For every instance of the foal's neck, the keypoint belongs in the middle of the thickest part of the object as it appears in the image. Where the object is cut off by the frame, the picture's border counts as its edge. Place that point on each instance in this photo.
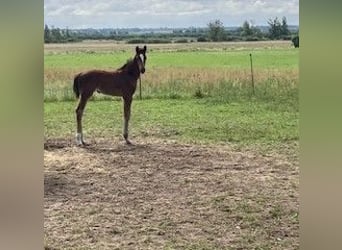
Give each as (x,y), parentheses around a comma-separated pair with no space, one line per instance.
(134,70)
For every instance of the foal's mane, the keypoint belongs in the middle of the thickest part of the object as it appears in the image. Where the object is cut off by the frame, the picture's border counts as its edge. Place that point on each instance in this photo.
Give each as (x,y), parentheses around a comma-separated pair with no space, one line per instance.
(126,65)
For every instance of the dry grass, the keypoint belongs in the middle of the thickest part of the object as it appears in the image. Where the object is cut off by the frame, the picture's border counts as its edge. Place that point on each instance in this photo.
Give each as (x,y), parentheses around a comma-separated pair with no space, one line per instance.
(156,77)
(164,79)
(110,46)
(164,195)
(183,80)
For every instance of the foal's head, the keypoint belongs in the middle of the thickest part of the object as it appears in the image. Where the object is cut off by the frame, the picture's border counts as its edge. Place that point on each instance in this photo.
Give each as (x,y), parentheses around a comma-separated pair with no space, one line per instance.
(140,56)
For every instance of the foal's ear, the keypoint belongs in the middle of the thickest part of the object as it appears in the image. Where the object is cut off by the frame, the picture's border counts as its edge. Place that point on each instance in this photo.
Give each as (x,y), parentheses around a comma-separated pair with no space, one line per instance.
(145,48)
(137,49)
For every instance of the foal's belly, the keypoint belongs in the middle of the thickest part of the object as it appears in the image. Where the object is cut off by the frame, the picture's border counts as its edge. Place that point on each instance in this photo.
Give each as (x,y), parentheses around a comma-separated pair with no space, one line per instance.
(112,91)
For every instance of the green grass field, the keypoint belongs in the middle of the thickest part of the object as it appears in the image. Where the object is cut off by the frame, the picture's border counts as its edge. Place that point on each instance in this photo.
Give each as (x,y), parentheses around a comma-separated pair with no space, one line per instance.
(190,95)
(277,58)
(215,83)
(184,72)
(246,124)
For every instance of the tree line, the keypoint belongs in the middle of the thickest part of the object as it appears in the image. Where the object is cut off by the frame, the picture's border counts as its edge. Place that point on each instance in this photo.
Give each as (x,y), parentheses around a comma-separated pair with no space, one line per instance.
(57,35)
(215,31)
(277,30)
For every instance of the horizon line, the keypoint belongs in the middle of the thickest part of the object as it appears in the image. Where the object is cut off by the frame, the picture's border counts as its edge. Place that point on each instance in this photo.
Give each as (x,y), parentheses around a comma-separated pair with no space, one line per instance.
(165,27)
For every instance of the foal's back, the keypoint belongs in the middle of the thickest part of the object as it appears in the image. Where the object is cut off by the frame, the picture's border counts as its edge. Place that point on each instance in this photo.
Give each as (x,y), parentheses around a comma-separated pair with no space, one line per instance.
(113,83)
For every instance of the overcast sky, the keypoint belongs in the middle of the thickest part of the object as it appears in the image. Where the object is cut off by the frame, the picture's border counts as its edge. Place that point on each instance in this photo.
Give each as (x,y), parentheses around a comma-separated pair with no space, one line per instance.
(165,13)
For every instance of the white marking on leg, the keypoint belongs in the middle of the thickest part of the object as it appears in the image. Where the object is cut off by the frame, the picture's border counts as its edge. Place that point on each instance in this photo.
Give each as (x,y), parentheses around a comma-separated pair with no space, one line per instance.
(79,139)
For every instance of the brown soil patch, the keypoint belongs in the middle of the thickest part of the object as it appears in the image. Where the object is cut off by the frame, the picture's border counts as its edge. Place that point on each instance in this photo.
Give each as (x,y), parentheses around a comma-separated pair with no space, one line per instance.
(156,195)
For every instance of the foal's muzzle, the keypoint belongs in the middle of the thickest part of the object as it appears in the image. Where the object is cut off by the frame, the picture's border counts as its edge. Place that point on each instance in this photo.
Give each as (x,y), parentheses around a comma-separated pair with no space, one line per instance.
(142,70)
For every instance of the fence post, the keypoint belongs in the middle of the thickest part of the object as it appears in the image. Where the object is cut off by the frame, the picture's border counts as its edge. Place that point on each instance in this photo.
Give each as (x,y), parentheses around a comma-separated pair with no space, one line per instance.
(250,55)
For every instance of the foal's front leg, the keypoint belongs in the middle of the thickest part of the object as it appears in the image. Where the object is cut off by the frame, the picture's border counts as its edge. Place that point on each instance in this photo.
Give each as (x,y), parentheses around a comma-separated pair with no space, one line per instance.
(79,114)
(127,114)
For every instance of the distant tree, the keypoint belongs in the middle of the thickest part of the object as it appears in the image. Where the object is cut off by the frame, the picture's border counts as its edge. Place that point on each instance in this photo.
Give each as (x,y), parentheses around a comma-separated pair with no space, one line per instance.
(202,39)
(216,31)
(47,34)
(67,34)
(56,35)
(248,32)
(284,27)
(275,30)
(246,29)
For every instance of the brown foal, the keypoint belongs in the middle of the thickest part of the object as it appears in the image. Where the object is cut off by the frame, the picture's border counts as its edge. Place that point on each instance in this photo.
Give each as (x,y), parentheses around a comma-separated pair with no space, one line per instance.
(122,82)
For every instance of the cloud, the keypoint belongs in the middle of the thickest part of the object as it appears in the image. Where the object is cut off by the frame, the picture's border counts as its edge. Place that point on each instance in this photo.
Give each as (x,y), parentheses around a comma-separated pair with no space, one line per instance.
(161,13)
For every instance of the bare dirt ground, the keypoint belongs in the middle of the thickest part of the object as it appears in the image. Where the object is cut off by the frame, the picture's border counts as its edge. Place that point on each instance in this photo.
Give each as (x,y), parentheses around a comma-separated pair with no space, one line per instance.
(166,195)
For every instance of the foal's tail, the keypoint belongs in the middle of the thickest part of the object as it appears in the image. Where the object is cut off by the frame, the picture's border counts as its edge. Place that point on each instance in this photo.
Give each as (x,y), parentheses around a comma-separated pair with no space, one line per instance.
(76,85)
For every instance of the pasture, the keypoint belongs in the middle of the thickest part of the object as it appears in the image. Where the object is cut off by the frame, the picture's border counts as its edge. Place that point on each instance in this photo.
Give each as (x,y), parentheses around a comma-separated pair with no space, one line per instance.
(212,166)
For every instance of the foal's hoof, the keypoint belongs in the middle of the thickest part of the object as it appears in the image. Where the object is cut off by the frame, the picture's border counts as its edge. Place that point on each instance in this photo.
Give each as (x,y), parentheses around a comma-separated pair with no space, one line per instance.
(82,144)
(79,140)
(125,136)
(128,142)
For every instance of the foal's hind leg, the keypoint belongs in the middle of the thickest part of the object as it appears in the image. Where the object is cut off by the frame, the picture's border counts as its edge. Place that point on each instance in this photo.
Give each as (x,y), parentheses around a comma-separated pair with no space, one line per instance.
(79,113)
(127,114)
